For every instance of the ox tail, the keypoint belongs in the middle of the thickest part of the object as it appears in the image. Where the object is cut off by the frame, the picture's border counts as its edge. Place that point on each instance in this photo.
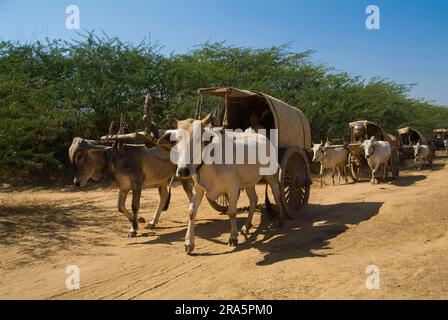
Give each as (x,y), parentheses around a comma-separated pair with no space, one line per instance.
(167,203)
(268,203)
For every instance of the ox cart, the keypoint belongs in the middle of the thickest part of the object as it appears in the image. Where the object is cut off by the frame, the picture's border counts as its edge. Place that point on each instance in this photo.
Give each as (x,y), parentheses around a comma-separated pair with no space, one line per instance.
(407,138)
(440,135)
(294,139)
(360,131)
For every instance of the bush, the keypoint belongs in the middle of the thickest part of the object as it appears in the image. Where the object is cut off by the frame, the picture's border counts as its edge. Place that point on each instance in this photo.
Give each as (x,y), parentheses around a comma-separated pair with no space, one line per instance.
(51,92)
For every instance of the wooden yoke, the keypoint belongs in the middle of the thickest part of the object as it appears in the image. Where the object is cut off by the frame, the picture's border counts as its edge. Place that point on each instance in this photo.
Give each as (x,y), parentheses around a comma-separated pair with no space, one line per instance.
(149,136)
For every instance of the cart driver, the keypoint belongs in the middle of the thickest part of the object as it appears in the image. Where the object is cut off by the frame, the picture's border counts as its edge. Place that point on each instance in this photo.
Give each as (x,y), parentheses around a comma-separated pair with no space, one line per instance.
(254,120)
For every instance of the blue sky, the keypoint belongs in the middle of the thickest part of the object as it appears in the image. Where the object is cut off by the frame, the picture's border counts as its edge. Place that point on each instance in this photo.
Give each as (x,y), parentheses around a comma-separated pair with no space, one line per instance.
(411,47)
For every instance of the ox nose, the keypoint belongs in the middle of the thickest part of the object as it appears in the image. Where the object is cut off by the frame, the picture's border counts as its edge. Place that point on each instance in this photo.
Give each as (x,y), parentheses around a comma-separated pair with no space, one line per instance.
(183,172)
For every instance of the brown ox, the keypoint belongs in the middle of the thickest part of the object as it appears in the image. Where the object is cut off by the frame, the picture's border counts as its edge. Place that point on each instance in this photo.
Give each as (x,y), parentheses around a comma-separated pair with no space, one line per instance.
(128,167)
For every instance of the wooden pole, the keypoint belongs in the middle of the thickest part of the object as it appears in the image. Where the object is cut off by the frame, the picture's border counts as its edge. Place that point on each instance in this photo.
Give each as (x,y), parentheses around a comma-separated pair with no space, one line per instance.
(225,122)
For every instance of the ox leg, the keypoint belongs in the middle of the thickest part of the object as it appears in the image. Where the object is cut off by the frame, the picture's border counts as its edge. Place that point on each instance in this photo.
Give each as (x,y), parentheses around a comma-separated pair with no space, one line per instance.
(122,195)
(377,171)
(196,200)
(253,198)
(273,184)
(136,195)
(163,197)
(332,174)
(233,201)
(373,180)
(187,185)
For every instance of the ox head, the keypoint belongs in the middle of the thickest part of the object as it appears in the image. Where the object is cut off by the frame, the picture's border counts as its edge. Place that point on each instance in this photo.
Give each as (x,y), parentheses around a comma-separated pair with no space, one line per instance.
(417,150)
(369,147)
(184,141)
(318,152)
(87,160)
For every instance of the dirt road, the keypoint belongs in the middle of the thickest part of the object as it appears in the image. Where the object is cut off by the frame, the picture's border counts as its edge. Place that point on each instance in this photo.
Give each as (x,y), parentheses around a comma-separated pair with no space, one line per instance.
(400,227)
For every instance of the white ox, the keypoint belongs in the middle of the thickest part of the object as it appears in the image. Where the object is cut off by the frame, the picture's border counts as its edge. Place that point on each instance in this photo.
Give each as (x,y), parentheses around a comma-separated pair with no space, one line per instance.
(215,180)
(377,154)
(421,155)
(331,158)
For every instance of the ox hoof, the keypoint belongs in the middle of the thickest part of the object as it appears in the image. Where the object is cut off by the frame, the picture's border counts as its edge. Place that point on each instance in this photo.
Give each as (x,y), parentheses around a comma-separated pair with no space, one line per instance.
(141,220)
(233,242)
(151,225)
(132,234)
(189,248)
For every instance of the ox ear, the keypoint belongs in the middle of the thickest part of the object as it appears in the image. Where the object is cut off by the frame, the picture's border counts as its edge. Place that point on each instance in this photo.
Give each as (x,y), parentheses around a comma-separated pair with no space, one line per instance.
(372,139)
(165,141)
(80,141)
(173,122)
(207,120)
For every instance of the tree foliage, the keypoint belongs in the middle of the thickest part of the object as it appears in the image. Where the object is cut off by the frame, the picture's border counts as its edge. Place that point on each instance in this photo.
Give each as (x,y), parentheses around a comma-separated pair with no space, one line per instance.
(51,92)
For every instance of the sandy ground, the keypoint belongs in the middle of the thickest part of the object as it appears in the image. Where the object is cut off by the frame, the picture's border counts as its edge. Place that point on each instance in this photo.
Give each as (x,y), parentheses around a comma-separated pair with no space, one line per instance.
(400,227)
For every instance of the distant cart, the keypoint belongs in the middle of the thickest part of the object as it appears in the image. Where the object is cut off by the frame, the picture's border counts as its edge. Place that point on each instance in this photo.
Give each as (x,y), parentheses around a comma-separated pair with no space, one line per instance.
(360,131)
(407,137)
(294,139)
(440,135)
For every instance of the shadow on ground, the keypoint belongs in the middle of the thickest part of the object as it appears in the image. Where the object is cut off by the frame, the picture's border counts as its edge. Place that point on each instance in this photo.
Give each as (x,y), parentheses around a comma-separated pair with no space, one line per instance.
(407,180)
(296,239)
(41,230)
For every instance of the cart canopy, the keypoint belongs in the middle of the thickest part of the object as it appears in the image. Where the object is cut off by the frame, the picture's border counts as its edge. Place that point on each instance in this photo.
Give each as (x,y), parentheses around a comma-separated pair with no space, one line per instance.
(411,136)
(292,124)
(368,129)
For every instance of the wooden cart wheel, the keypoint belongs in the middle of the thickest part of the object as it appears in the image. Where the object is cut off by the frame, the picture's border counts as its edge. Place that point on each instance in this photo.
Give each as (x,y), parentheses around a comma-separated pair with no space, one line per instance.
(394,164)
(354,166)
(220,205)
(295,182)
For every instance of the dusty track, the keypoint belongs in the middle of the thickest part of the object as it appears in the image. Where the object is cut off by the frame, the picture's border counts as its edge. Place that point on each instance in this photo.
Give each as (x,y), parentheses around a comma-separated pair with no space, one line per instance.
(400,227)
